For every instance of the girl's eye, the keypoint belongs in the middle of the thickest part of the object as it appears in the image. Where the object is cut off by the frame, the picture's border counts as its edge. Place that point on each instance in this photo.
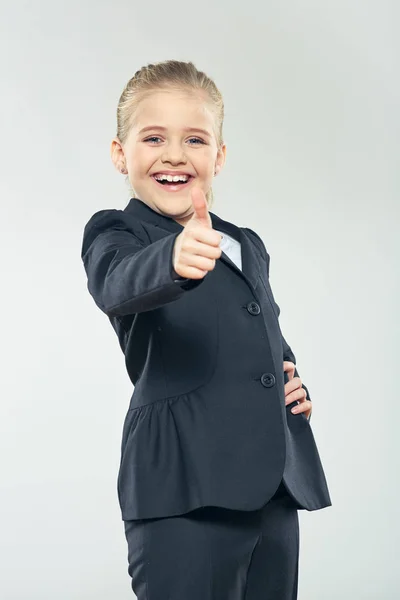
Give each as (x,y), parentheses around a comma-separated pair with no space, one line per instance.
(194,141)
(152,138)
(198,140)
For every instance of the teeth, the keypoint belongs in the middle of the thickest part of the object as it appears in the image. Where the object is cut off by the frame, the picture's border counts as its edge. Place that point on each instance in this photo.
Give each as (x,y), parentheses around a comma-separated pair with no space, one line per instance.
(172,178)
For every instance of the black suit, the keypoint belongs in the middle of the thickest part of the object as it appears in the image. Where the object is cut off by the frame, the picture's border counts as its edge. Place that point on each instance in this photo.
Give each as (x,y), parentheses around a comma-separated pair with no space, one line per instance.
(207,422)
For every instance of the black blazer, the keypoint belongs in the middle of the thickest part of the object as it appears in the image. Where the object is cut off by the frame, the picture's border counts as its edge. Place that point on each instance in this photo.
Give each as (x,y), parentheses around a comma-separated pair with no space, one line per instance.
(207,422)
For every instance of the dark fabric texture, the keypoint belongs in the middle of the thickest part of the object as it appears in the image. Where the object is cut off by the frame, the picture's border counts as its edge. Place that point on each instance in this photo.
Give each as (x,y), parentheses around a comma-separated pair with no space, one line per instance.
(216,553)
(206,424)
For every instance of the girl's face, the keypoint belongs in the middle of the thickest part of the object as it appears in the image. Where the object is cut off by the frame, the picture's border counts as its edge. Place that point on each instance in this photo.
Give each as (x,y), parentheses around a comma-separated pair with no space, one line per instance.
(172,134)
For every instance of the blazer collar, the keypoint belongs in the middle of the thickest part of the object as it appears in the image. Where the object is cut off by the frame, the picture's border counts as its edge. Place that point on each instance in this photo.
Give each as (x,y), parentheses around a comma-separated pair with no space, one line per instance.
(251,260)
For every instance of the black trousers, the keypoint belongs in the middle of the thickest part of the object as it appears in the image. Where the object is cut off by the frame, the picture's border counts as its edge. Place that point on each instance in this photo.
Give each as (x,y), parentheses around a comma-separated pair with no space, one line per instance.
(214,553)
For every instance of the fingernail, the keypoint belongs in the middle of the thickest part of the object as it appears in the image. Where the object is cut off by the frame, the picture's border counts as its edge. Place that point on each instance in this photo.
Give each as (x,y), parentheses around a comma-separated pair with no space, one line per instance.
(295,410)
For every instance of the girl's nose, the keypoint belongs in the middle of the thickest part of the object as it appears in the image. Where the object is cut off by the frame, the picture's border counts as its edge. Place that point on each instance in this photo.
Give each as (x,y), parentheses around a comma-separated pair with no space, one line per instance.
(174,154)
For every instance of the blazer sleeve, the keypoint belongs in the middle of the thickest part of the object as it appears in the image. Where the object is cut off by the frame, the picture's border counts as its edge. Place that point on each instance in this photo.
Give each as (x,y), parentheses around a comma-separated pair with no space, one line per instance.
(288,353)
(124,274)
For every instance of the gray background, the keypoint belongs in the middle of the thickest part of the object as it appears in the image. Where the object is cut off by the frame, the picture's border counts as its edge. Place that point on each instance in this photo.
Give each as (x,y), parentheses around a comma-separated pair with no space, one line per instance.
(312,127)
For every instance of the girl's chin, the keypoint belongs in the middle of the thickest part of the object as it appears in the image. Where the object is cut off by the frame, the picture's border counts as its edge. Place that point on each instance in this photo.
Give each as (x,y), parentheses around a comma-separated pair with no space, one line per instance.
(174,206)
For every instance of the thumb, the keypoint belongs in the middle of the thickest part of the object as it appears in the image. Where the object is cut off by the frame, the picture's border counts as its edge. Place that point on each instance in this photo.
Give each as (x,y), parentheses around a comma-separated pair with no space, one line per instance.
(200,207)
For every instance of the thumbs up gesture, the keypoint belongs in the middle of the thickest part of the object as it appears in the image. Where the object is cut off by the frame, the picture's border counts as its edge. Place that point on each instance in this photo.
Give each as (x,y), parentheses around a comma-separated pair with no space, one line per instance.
(197,247)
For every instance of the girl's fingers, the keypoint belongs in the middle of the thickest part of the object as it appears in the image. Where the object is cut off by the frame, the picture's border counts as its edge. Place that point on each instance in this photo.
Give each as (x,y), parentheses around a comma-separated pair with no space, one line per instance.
(289,368)
(294,392)
(195,248)
(305,407)
(298,394)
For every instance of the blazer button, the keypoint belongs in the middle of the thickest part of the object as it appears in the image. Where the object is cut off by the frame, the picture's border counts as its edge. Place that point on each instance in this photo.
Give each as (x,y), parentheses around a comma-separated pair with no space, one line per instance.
(253,308)
(268,379)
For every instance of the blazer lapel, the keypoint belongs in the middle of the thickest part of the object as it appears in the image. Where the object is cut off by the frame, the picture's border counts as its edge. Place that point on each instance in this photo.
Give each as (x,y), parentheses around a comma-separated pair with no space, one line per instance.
(249,270)
(251,260)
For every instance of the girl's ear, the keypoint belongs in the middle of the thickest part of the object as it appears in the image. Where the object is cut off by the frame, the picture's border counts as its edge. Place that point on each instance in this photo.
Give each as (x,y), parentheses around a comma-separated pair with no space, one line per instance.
(221,157)
(118,156)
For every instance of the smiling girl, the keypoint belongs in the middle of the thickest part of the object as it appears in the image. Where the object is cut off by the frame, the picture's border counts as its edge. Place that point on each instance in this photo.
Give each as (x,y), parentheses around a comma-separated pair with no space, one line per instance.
(170,143)
(217,451)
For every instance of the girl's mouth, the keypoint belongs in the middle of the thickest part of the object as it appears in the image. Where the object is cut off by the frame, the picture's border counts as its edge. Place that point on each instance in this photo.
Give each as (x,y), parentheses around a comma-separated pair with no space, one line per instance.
(172,186)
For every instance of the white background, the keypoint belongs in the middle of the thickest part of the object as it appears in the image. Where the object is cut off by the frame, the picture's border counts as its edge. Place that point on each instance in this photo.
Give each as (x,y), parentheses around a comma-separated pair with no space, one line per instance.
(311,90)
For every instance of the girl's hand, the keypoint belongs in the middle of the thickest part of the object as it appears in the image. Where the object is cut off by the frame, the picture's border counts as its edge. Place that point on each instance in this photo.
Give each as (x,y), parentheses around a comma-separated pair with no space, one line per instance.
(197,247)
(294,391)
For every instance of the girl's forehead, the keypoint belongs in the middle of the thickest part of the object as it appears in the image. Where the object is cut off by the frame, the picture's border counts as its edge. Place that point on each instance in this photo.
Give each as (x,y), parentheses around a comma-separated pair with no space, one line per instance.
(168,108)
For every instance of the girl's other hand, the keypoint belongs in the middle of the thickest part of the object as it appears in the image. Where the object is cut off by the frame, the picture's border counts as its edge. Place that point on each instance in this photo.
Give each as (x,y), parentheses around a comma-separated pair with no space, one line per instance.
(294,391)
(197,247)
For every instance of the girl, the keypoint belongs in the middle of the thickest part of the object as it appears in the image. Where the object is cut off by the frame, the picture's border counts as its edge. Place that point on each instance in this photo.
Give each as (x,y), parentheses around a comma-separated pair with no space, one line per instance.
(217,452)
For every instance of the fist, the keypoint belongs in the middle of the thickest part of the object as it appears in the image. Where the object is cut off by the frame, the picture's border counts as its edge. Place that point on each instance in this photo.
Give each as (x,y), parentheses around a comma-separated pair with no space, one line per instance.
(197,247)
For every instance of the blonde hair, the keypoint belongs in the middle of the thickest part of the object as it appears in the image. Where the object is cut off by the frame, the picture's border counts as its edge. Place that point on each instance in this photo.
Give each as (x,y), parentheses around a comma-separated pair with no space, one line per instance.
(172,74)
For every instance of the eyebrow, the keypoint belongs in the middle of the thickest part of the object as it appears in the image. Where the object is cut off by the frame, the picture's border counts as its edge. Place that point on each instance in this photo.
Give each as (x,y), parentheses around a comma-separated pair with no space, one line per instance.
(153,127)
